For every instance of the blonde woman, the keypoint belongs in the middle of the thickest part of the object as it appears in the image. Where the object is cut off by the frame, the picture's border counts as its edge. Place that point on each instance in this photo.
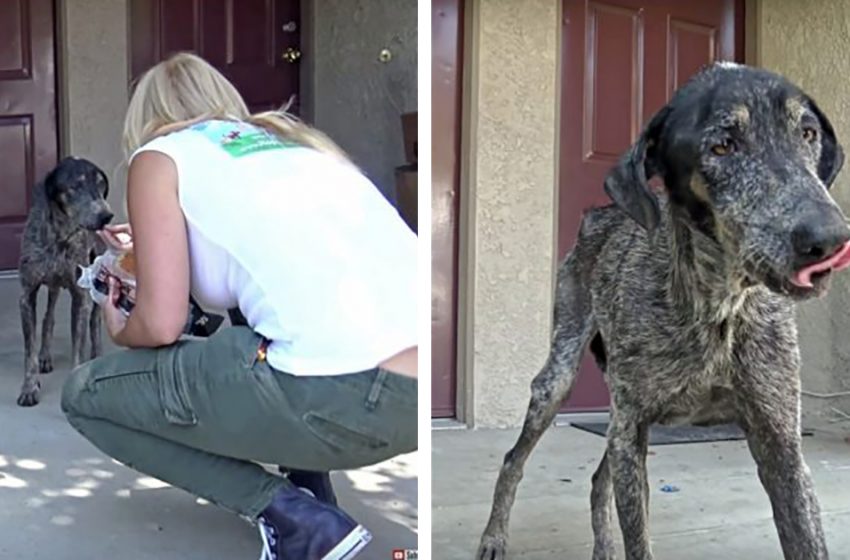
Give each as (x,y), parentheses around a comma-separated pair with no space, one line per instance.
(263,214)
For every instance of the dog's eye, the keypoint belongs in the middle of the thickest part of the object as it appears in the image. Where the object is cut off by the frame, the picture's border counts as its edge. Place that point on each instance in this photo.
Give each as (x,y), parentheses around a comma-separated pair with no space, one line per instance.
(810,134)
(723,149)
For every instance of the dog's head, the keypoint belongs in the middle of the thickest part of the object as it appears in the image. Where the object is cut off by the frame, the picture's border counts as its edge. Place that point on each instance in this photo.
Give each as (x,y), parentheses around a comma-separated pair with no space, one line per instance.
(78,189)
(747,159)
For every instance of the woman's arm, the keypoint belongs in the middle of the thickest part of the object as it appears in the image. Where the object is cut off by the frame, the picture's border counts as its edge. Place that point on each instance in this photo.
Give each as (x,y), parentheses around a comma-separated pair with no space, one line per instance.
(161,249)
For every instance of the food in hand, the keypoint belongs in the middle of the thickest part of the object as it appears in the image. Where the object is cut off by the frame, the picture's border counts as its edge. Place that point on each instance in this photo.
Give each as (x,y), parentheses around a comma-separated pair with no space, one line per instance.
(127,263)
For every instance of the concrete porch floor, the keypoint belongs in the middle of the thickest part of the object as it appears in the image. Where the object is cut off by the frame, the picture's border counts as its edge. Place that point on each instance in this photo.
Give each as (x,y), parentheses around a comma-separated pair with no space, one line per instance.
(61,499)
(720,510)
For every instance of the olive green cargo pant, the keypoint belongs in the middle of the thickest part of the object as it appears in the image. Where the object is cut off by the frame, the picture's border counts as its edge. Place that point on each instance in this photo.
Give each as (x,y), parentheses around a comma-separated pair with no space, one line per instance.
(202,414)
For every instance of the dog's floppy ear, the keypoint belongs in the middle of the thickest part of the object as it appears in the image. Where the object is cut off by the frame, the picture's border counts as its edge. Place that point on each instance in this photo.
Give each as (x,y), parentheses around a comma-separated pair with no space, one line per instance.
(51,185)
(626,183)
(831,154)
(103,176)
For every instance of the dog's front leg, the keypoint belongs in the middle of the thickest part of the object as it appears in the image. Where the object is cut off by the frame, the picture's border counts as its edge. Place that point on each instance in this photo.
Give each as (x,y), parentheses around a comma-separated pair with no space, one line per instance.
(45,363)
(80,309)
(626,453)
(31,386)
(770,416)
(574,326)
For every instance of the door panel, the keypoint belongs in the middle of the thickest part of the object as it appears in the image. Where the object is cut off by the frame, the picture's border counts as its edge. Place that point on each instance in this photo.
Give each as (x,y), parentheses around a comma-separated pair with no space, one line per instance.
(612,82)
(28,141)
(244,40)
(446,76)
(622,60)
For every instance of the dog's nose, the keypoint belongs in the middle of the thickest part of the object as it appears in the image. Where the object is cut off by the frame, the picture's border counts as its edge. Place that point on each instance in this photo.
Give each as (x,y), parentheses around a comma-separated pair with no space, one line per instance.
(818,238)
(104,218)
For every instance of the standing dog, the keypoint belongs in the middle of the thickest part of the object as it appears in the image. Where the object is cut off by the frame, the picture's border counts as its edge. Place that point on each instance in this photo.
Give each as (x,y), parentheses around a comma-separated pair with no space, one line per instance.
(68,207)
(686,299)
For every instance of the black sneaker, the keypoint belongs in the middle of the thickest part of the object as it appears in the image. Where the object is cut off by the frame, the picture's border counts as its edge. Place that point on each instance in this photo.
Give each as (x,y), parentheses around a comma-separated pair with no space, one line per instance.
(296,526)
(318,483)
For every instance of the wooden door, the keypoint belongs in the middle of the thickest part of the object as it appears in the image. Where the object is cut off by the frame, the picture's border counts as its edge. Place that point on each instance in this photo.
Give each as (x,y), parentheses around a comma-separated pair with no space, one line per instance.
(245,40)
(28,140)
(446,78)
(622,60)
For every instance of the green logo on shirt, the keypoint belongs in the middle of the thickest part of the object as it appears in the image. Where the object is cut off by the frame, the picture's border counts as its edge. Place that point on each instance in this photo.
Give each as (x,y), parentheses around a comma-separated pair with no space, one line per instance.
(241,139)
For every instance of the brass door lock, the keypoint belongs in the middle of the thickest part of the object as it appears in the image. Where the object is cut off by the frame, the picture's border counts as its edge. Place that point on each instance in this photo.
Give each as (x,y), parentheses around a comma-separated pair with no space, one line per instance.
(291,55)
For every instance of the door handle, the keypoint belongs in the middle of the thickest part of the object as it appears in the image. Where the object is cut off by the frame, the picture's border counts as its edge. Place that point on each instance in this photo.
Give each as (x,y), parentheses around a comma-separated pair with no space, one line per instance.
(291,55)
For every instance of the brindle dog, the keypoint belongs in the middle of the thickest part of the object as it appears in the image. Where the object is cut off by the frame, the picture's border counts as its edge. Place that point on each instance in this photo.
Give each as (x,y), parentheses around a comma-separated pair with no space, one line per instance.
(59,236)
(686,298)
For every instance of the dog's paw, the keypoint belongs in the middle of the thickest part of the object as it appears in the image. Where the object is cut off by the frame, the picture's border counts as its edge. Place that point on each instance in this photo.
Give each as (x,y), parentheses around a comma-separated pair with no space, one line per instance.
(30,395)
(493,547)
(604,553)
(45,365)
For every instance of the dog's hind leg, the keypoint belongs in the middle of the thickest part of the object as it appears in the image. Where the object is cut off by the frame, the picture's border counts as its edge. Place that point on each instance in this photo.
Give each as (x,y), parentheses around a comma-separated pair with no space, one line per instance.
(601,502)
(45,363)
(572,331)
(79,320)
(30,389)
(94,331)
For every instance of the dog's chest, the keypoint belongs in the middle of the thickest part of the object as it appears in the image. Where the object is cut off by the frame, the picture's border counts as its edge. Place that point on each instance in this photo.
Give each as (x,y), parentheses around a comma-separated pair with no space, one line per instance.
(700,389)
(59,264)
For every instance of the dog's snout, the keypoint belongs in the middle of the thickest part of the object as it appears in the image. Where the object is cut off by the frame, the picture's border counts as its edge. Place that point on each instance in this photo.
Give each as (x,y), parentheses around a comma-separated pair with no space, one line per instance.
(104,218)
(817,238)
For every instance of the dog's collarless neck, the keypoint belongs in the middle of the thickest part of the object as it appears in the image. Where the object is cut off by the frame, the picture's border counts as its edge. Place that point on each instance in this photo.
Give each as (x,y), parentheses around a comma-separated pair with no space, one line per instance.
(701,277)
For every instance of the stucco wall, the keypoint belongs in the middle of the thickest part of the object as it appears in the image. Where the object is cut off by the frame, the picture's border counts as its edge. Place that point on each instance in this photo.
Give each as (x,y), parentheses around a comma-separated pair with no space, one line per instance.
(93,85)
(348,92)
(809,43)
(510,207)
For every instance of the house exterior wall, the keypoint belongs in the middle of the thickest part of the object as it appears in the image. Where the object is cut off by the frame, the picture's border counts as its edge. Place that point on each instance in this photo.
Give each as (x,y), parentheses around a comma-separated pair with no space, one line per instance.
(808,43)
(348,92)
(92,56)
(508,204)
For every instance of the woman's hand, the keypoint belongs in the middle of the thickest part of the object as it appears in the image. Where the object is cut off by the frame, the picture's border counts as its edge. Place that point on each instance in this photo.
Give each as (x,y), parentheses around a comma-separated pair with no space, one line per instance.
(112,315)
(117,236)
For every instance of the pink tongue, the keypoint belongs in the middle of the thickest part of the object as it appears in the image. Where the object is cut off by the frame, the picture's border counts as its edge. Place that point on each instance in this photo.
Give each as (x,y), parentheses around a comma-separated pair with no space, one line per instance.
(837,261)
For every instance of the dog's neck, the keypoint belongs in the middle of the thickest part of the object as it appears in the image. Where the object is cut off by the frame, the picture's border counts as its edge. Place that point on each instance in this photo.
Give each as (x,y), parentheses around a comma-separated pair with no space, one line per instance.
(703,282)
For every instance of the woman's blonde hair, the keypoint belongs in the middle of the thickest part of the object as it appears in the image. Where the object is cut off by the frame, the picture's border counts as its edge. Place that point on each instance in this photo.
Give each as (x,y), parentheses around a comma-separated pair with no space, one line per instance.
(185,89)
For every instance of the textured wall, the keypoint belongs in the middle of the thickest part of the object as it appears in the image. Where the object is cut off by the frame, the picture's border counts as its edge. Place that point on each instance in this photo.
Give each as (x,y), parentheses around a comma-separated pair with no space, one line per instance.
(511,218)
(809,43)
(356,99)
(93,59)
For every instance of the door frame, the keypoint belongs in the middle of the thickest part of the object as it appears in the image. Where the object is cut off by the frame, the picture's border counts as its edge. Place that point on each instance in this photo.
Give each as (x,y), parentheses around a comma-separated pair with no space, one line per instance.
(458,88)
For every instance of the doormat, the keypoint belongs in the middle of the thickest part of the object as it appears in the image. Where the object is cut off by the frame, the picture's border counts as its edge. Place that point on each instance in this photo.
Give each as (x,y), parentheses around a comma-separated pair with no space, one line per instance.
(665,435)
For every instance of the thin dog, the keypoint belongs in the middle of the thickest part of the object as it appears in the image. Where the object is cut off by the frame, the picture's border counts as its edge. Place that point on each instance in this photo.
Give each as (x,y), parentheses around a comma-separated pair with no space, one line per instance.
(686,298)
(59,236)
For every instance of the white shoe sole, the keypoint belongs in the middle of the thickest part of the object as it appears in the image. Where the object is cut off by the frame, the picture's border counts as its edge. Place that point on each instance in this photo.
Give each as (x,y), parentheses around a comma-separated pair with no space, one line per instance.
(351,545)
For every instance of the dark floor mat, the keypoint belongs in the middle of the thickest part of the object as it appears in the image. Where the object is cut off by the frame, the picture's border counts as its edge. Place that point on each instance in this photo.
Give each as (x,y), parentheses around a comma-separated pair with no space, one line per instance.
(664,435)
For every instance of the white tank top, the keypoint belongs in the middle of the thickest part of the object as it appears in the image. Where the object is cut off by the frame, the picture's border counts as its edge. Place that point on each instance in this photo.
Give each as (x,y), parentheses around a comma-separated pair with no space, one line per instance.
(307,247)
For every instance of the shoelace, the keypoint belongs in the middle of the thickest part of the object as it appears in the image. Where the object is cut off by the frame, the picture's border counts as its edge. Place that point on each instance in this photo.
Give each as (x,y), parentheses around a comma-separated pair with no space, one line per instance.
(269,536)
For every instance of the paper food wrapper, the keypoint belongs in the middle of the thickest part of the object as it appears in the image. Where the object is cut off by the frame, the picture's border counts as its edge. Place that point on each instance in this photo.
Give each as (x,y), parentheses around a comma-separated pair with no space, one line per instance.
(122,266)
(95,278)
